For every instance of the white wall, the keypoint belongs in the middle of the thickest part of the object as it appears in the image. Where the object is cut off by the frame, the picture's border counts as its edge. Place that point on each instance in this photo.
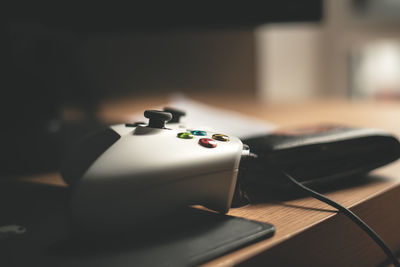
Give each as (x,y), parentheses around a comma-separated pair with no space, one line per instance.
(288,62)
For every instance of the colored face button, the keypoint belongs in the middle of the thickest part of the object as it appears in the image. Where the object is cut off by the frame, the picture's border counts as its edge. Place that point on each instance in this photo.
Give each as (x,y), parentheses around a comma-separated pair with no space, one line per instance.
(199,133)
(207,142)
(185,135)
(220,137)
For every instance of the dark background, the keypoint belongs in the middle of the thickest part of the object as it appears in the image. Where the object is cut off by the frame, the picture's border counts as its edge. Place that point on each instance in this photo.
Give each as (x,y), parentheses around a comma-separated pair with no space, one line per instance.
(57,57)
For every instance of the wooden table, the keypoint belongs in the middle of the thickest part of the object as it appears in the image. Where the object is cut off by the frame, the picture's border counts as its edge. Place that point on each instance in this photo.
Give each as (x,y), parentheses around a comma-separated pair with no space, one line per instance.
(308,232)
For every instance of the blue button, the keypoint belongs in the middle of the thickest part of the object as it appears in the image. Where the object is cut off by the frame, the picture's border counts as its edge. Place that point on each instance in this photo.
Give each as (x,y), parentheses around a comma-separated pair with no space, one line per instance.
(198,132)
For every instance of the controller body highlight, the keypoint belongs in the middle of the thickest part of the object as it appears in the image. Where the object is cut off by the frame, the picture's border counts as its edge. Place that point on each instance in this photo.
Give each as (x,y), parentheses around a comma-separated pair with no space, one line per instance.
(131,174)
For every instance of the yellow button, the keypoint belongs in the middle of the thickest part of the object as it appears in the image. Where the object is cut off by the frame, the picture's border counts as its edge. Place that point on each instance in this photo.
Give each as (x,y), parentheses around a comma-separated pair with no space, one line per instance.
(220,137)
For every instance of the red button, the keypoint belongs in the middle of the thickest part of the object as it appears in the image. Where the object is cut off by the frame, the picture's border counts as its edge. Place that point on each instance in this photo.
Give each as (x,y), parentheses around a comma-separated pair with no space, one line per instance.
(207,142)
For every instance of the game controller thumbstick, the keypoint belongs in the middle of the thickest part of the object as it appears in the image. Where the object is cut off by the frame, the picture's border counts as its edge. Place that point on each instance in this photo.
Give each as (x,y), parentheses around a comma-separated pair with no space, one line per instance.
(157,118)
(176,113)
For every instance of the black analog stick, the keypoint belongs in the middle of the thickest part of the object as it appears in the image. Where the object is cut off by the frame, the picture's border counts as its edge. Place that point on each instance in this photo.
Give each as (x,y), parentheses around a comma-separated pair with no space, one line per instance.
(176,113)
(157,118)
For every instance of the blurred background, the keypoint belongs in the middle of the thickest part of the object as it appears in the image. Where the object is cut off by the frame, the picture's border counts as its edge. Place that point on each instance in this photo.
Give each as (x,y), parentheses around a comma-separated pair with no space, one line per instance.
(281,52)
(353,52)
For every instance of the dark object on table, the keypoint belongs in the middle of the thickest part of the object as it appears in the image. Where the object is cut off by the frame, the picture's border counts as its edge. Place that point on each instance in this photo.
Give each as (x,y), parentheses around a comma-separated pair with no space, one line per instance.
(318,154)
(34,231)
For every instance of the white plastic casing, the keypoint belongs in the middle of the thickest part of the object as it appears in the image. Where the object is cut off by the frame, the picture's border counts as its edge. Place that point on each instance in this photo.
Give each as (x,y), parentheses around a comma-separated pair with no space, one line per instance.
(149,172)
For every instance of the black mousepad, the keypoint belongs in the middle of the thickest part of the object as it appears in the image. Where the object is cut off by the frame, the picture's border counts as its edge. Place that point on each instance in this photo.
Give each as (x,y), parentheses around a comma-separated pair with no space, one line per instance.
(34,231)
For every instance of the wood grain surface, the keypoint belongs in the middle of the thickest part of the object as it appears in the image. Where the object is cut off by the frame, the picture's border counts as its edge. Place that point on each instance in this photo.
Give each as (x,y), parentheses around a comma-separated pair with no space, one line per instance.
(308,232)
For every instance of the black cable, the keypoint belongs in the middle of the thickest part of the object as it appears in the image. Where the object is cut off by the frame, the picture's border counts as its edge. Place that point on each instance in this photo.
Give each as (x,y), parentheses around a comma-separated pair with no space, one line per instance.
(349,214)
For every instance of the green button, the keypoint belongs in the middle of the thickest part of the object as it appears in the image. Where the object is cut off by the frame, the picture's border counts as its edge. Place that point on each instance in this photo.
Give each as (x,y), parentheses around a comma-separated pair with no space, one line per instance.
(185,135)
(220,137)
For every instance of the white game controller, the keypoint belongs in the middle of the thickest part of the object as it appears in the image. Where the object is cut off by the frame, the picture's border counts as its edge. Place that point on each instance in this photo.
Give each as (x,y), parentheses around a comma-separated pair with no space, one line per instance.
(131,174)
